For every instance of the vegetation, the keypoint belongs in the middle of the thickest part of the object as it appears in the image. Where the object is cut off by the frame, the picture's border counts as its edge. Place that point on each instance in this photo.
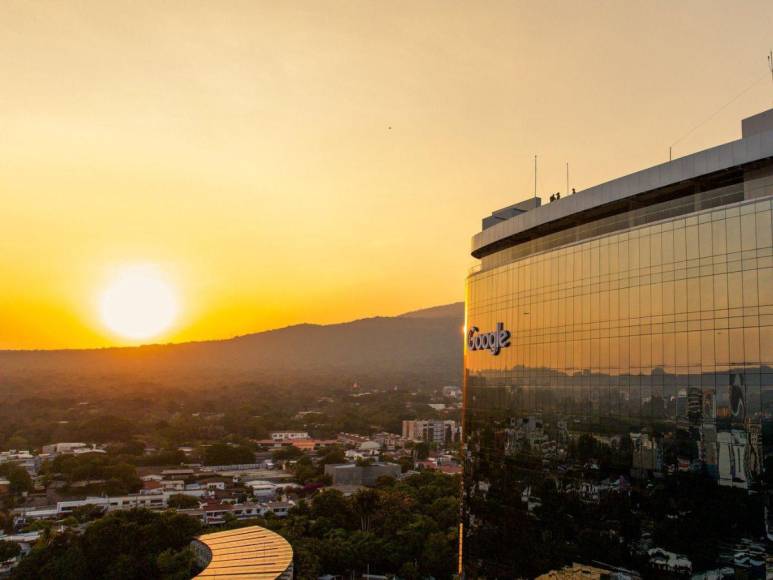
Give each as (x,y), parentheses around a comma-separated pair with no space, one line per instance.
(8,550)
(166,418)
(18,478)
(181,501)
(408,527)
(111,474)
(228,454)
(125,545)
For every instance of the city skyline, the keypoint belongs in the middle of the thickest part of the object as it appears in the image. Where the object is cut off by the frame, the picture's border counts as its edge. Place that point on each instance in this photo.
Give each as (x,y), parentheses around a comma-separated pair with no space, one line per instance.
(280,165)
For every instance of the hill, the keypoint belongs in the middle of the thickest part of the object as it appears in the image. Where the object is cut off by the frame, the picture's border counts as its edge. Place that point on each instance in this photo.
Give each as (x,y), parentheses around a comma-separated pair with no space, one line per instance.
(424,346)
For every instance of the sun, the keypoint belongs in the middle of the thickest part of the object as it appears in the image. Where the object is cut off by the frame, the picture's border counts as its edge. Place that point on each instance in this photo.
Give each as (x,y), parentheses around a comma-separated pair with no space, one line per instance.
(138,303)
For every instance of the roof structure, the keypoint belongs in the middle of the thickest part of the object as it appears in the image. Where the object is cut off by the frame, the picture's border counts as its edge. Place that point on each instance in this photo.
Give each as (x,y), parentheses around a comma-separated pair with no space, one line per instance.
(251,553)
(755,145)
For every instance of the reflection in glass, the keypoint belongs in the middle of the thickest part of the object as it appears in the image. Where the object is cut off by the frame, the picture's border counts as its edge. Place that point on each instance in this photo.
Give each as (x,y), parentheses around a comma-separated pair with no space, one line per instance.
(633,407)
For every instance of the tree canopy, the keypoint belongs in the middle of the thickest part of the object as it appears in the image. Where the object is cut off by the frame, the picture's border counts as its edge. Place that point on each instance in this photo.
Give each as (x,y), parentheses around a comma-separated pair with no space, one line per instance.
(125,545)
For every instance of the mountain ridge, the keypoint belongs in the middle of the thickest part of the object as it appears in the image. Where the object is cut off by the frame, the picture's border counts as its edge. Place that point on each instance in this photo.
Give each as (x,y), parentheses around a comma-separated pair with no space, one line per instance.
(425,344)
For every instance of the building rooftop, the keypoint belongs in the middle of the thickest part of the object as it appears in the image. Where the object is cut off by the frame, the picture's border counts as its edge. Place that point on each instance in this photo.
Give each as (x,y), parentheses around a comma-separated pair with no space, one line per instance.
(246,553)
(534,220)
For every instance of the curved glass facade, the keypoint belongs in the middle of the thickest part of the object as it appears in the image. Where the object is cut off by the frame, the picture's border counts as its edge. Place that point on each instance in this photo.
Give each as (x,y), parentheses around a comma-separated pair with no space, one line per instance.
(627,419)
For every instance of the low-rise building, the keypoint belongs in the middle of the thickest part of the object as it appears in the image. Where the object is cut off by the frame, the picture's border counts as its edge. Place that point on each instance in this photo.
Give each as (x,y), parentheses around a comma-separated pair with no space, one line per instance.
(351,438)
(172,484)
(64,447)
(23,458)
(215,513)
(352,474)
(666,562)
(370,447)
(152,501)
(389,441)
(279,436)
(177,473)
(263,490)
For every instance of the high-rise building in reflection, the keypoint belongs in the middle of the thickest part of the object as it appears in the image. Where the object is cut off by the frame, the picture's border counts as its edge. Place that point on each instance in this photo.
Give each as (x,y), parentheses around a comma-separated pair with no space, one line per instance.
(618,397)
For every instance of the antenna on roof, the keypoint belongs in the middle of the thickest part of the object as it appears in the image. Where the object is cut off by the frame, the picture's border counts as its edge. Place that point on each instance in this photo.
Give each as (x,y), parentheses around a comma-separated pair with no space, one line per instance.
(567,178)
(535,176)
(723,107)
(770,64)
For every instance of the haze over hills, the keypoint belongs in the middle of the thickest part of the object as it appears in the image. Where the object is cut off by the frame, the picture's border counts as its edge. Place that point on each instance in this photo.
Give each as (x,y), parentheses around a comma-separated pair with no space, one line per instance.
(423,346)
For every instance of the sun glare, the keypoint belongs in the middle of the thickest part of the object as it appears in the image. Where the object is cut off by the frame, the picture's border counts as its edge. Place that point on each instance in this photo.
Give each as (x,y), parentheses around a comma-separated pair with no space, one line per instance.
(138,303)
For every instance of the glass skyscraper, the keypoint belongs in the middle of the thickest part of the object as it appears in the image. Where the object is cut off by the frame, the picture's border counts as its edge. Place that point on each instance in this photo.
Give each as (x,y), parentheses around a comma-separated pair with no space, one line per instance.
(618,401)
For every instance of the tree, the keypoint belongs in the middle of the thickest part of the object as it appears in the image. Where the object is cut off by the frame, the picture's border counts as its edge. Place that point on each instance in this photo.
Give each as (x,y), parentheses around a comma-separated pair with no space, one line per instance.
(286,452)
(333,508)
(365,502)
(332,455)
(306,554)
(437,557)
(87,513)
(122,478)
(18,478)
(106,428)
(176,565)
(305,471)
(61,558)
(225,454)
(17,442)
(422,451)
(6,521)
(410,571)
(132,447)
(406,464)
(121,545)
(8,550)
(181,501)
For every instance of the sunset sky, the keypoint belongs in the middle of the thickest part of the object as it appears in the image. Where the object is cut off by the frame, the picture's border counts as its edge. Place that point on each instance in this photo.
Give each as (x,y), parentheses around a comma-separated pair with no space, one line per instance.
(285,162)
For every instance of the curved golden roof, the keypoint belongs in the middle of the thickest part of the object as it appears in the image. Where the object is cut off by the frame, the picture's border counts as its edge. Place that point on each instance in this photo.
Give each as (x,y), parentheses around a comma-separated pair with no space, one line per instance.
(247,554)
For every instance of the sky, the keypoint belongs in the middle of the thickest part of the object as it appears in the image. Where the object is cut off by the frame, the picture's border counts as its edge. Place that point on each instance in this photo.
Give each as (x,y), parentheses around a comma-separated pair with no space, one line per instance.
(322,161)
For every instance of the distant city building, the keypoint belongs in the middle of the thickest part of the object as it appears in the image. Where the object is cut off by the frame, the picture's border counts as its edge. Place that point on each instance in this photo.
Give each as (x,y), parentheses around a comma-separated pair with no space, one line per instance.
(215,513)
(667,562)
(647,455)
(152,501)
(389,441)
(182,472)
(441,432)
(71,448)
(619,339)
(289,435)
(351,438)
(733,449)
(23,458)
(452,392)
(263,489)
(63,447)
(352,474)
(370,447)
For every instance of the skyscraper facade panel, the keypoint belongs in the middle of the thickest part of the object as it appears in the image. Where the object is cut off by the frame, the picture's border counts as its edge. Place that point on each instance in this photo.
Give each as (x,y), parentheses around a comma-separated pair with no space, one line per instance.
(618,400)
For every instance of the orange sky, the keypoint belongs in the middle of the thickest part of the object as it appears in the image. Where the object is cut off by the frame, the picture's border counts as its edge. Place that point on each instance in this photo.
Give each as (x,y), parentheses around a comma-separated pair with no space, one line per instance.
(245,147)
